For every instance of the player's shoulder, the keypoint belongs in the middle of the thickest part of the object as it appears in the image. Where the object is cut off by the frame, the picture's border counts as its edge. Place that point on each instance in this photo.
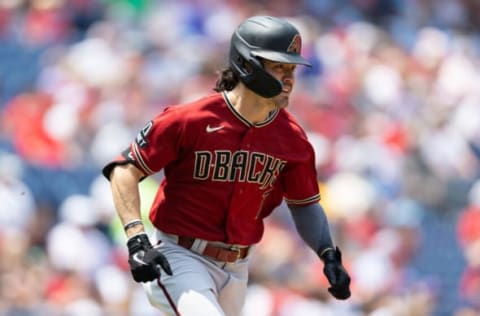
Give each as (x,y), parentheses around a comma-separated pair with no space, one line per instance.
(289,136)
(290,124)
(199,103)
(192,110)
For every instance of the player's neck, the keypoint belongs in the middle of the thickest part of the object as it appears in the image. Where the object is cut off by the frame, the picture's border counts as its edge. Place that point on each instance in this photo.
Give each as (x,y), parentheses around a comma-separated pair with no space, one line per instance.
(251,106)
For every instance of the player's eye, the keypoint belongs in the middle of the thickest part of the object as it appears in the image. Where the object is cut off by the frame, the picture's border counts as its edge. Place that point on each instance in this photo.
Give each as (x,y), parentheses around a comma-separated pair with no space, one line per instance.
(285,67)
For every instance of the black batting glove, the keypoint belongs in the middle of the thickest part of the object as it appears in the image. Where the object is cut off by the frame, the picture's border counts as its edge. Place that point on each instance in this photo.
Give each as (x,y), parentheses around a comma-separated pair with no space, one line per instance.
(145,261)
(336,274)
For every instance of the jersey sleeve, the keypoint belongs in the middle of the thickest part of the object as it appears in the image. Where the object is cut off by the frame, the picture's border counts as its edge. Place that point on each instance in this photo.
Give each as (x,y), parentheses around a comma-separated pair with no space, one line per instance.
(300,184)
(122,159)
(155,145)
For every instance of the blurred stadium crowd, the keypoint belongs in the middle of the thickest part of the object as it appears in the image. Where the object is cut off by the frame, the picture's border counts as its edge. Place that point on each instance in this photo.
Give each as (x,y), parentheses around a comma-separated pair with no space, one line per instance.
(392,106)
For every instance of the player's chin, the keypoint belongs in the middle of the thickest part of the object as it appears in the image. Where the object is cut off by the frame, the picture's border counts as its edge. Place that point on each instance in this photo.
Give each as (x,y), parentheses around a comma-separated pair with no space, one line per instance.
(281,101)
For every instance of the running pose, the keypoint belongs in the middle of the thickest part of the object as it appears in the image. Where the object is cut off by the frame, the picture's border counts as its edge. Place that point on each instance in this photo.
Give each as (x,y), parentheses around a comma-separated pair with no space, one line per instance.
(229,159)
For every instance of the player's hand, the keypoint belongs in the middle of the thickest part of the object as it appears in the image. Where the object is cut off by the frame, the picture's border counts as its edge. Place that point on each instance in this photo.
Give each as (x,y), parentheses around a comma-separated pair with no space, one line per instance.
(336,274)
(145,261)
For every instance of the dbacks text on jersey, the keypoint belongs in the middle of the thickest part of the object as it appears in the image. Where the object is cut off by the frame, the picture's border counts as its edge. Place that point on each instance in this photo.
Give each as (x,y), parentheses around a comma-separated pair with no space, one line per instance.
(241,166)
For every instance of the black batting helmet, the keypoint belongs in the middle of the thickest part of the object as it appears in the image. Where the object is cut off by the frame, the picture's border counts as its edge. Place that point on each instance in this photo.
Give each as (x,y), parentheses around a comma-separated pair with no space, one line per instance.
(264,37)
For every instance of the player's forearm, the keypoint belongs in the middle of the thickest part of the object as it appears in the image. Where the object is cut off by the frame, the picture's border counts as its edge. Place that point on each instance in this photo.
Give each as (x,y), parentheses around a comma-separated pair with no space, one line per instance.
(126,197)
(312,225)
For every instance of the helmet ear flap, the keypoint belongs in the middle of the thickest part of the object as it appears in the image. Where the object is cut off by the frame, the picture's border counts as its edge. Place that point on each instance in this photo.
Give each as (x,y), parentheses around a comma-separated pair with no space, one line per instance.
(261,81)
(252,73)
(241,65)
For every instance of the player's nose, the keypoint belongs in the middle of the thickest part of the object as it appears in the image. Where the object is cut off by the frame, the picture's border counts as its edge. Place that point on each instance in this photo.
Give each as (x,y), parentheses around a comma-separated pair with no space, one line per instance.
(287,84)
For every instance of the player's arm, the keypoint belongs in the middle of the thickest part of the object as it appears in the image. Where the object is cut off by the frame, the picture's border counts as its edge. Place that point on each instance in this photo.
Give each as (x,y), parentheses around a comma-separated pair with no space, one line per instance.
(312,225)
(126,197)
(153,148)
(145,260)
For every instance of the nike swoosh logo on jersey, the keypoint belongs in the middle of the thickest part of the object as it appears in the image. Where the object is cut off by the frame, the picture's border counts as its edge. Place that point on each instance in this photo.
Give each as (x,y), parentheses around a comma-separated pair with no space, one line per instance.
(211,129)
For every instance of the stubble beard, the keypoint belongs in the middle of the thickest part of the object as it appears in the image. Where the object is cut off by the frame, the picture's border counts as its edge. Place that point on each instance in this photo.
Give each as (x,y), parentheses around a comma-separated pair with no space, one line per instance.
(281,101)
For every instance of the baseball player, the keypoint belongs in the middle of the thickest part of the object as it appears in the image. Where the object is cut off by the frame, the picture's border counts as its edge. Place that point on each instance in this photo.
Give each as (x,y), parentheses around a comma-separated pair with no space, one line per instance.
(229,159)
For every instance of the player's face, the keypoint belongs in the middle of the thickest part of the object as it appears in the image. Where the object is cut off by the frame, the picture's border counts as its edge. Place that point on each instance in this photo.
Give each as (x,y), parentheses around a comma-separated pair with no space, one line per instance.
(285,74)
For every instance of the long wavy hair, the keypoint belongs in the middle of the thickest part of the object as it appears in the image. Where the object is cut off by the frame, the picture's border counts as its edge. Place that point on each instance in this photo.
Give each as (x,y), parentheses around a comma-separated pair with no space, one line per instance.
(227,80)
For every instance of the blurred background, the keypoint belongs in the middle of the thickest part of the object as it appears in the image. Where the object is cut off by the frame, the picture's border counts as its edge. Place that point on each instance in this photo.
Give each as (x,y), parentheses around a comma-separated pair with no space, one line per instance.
(391,104)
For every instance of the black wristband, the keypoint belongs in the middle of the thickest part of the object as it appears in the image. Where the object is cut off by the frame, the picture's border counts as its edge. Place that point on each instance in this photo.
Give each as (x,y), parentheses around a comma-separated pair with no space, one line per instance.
(328,254)
(132,224)
(321,253)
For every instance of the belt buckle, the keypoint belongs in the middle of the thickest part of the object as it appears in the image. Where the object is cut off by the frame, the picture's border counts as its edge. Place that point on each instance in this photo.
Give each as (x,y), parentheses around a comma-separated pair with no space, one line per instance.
(237,250)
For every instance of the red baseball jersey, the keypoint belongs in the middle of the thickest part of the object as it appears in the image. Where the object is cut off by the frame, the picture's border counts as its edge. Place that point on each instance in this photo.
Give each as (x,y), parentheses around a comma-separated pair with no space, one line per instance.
(223,174)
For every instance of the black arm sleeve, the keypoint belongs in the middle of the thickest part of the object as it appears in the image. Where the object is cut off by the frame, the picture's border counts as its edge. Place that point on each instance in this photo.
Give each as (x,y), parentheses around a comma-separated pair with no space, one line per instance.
(312,226)
(123,159)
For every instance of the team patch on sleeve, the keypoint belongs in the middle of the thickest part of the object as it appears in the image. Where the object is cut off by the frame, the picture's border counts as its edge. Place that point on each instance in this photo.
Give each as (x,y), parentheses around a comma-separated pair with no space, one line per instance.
(141,138)
(310,200)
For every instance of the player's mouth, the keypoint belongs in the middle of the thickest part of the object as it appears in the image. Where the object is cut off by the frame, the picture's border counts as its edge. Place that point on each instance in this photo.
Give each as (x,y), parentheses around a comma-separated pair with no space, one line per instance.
(286,89)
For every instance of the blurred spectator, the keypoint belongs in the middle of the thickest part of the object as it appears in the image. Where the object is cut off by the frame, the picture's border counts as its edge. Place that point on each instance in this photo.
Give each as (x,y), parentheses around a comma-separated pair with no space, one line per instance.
(468,230)
(18,206)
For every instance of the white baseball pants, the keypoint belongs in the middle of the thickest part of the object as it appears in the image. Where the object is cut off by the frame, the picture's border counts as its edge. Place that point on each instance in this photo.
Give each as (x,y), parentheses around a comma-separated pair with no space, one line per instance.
(199,286)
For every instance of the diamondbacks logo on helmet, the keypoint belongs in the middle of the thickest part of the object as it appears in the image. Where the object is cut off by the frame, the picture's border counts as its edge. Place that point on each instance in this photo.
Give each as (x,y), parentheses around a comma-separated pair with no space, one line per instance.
(296,45)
